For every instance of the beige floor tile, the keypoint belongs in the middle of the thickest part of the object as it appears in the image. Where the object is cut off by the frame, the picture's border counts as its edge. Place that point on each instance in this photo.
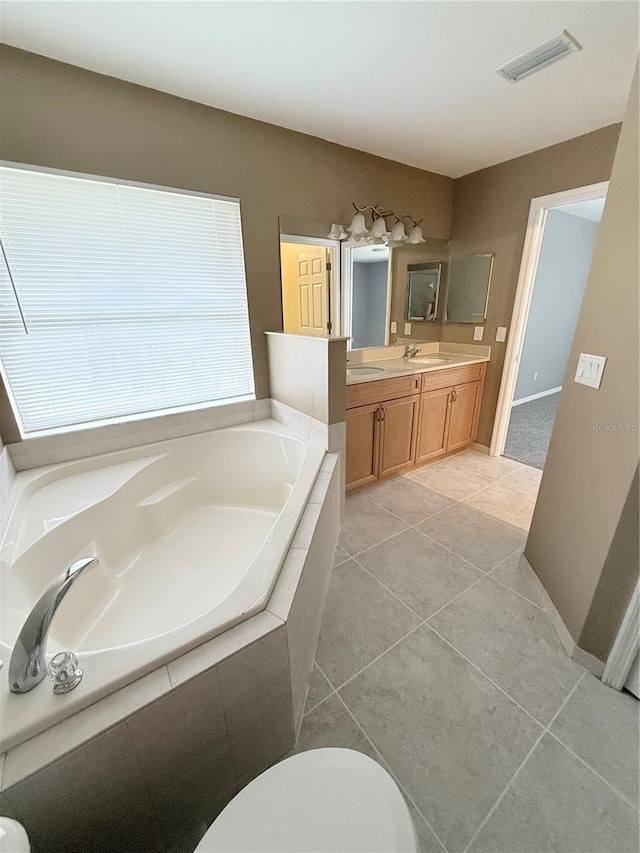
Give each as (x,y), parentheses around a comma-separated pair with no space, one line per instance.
(510,574)
(408,499)
(365,524)
(451,738)
(557,804)
(319,689)
(507,502)
(423,574)
(340,556)
(361,620)
(473,535)
(513,643)
(601,726)
(451,479)
(494,467)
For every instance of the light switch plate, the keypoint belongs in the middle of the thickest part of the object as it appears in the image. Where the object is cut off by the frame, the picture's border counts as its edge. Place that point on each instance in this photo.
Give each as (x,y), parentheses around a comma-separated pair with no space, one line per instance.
(478,332)
(590,369)
(501,334)
(394,327)
(407,328)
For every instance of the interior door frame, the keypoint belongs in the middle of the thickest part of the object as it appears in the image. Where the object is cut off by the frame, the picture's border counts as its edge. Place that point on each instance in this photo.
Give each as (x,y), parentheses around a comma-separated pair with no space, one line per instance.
(526,280)
(625,647)
(347,288)
(335,278)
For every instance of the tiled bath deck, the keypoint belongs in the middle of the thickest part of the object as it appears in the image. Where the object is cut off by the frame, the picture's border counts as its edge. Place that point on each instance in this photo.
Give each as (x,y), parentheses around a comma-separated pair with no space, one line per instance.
(437,659)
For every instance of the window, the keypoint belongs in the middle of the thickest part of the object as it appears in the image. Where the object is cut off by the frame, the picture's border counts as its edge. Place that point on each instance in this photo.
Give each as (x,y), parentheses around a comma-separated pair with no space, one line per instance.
(118,300)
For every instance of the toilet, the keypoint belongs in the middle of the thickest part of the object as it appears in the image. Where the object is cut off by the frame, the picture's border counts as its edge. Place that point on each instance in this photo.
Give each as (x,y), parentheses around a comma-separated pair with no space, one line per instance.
(324,800)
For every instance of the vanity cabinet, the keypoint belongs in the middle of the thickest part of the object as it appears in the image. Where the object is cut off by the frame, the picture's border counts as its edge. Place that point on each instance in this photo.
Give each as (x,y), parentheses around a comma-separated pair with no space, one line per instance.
(393,424)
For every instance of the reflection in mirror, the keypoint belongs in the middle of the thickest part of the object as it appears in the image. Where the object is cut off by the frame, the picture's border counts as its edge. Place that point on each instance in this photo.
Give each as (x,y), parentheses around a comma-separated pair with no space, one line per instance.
(468,288)
(432,252)
(423,286)
(366,295)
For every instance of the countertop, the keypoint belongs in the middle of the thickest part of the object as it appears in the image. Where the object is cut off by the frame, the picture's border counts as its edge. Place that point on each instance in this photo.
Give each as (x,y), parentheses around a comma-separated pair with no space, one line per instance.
(391,367)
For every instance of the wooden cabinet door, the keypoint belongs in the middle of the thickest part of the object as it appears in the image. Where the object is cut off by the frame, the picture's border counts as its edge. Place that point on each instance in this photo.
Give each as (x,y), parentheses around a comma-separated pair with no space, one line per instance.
(362,445)
(433,424)
(397,434)
(463,421)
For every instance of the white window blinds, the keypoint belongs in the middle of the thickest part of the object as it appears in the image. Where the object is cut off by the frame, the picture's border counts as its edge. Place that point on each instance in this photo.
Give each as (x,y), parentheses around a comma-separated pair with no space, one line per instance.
(118,300)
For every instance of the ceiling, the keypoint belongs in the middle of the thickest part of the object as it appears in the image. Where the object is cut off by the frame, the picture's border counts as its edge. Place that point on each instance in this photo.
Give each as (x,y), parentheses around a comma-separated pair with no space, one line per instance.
(590,209)
(411,81)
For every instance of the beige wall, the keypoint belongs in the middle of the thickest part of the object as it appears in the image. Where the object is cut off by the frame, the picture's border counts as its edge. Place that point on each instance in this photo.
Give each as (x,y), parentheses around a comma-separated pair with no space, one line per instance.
(491,208)
(586,516)
(63,117)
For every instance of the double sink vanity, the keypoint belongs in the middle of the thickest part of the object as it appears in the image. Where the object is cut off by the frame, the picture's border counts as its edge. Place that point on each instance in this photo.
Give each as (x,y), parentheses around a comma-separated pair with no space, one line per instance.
(403,412)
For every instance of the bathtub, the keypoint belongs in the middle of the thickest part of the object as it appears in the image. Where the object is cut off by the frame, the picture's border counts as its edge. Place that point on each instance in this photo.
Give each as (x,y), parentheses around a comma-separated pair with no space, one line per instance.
(190,535)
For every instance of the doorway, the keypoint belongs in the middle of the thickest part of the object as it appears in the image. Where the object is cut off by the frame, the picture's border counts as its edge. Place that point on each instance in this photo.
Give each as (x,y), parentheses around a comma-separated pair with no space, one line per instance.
(310,280)
(557,255)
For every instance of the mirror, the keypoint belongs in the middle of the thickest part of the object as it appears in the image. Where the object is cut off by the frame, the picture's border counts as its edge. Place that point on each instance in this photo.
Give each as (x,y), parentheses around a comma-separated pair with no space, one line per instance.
(366,295)
(468,288)
(423,287)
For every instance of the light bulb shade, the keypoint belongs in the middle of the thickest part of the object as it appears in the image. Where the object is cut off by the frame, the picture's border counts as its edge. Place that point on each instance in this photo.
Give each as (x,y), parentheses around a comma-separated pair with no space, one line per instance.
(358,227)
(415,235)
(398,234)
(379,229)
(337,232)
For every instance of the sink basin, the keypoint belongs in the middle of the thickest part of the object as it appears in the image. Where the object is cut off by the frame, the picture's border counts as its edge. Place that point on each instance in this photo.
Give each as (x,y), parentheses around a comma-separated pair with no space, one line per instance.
(363,371)
(430,360)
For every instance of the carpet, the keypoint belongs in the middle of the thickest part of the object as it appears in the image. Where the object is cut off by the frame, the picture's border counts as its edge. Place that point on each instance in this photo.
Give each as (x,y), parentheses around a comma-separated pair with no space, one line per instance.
(530,430)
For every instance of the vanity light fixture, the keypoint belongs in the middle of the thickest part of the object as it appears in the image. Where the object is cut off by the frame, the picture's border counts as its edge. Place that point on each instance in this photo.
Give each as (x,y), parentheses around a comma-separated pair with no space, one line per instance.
(378,233)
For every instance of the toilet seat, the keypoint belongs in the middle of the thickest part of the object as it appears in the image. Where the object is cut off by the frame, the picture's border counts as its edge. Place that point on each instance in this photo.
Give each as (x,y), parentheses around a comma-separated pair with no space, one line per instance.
(324,800)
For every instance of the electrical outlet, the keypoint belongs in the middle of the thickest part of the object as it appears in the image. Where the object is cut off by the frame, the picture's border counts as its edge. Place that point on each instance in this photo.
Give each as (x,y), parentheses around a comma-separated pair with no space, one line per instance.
(501,334)
(407,328)
(478,332)
(394,327)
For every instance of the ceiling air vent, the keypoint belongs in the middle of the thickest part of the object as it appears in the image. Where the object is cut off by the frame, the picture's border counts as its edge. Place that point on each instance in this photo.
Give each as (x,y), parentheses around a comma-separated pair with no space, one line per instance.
(544,54)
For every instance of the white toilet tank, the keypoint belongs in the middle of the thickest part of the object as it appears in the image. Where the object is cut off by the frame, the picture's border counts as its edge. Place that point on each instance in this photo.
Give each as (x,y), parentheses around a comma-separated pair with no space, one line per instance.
(324,800)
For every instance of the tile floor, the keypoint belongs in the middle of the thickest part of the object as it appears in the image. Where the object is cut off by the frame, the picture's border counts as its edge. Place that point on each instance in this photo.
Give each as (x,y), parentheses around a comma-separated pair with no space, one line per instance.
(437,659)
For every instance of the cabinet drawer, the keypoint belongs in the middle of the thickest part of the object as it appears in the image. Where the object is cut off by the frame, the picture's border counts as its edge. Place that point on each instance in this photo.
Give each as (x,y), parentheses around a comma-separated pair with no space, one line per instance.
(382,389)
(451,376)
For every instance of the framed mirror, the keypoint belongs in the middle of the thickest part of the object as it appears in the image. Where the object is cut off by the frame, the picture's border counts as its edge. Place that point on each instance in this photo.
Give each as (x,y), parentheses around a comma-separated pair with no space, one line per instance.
(423,288)
(468,288)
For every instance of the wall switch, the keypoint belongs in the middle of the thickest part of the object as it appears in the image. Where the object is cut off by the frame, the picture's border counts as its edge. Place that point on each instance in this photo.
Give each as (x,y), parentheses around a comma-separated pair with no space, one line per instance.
(501,334)
(394,327)
(478,332)
(407,328)
(590,369)
(535,377)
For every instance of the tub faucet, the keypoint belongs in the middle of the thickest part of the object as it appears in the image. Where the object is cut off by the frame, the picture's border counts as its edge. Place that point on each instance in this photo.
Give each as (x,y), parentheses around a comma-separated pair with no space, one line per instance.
(27,666)
(411,350)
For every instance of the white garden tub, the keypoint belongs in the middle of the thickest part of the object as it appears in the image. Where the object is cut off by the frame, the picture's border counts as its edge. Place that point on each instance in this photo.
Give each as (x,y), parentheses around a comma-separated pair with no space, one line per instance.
(190,535)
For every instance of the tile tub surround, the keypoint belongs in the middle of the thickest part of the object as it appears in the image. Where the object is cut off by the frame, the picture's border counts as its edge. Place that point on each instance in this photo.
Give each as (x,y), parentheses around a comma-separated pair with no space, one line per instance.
(445,668)
(149,767)
(7,476)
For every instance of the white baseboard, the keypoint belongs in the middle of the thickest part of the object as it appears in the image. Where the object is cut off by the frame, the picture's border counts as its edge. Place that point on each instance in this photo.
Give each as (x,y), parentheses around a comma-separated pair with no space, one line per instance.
(560,628)
(536,396)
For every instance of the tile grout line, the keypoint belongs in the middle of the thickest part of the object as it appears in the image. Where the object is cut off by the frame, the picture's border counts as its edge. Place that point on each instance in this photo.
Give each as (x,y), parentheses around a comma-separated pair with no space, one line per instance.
(514,591)
(390,591)
(391,772)
(589,767)
(484,675)
(524,761)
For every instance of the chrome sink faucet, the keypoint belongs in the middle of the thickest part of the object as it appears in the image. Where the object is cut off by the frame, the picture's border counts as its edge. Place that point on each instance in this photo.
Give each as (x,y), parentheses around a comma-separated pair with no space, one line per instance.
(27,667)
(411,351)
